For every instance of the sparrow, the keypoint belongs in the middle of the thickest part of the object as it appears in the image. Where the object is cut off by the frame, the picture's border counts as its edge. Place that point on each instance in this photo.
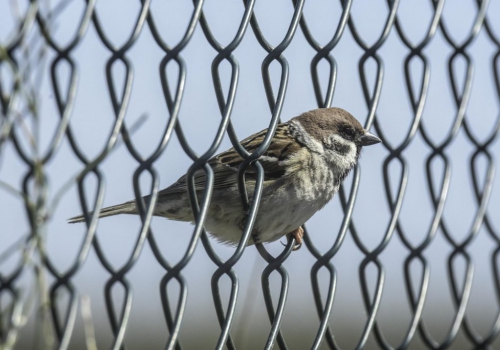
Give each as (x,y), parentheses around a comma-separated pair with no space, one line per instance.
(308,158)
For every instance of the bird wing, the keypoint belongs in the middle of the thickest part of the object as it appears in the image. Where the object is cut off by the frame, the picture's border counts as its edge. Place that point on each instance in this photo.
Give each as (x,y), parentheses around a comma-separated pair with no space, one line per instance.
(225,165)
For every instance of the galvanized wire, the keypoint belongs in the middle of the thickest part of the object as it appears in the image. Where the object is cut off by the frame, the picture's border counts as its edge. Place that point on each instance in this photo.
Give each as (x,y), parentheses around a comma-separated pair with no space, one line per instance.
(36,201)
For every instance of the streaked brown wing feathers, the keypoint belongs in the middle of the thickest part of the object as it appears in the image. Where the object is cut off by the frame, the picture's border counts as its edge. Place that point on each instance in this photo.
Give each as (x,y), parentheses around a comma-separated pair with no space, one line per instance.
(225,165)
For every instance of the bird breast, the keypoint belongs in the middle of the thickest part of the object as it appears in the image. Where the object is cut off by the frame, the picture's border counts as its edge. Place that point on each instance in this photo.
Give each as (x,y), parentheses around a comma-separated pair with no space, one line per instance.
(314,178)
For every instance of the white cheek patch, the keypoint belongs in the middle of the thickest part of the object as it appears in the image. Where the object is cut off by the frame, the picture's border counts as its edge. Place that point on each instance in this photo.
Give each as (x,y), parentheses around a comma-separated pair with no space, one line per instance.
(342,162)
(347,160)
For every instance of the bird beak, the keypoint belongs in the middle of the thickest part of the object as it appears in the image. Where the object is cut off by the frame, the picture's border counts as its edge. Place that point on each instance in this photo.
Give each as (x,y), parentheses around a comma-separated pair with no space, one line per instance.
(369,139)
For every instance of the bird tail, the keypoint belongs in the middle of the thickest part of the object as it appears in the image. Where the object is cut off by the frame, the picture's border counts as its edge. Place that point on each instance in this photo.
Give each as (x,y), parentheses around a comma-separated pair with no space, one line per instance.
(124,208)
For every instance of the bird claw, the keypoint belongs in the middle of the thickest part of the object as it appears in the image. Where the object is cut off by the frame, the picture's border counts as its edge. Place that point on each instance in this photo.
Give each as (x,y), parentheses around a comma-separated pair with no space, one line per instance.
(297,234)
(295,247)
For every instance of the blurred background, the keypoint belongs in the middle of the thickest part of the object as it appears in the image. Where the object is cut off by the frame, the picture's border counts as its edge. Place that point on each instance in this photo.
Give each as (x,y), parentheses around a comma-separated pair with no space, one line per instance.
(458,130)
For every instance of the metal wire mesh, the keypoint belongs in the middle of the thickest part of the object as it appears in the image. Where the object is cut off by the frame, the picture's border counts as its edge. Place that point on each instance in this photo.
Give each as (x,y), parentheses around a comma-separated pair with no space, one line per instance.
(34,193)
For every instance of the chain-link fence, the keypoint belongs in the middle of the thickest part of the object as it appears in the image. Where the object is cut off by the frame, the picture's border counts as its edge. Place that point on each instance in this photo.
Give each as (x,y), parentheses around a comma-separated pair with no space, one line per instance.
(406,257)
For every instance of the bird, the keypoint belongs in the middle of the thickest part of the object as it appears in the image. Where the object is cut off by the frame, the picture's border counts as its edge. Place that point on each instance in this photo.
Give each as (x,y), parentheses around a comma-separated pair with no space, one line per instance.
(308,158)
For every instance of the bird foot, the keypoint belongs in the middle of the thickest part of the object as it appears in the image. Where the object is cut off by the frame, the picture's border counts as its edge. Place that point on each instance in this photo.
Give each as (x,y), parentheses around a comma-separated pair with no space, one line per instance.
(296,234)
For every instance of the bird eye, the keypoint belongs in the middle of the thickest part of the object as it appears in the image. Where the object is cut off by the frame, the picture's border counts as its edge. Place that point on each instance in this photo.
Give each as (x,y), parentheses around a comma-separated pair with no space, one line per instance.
(348,132)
